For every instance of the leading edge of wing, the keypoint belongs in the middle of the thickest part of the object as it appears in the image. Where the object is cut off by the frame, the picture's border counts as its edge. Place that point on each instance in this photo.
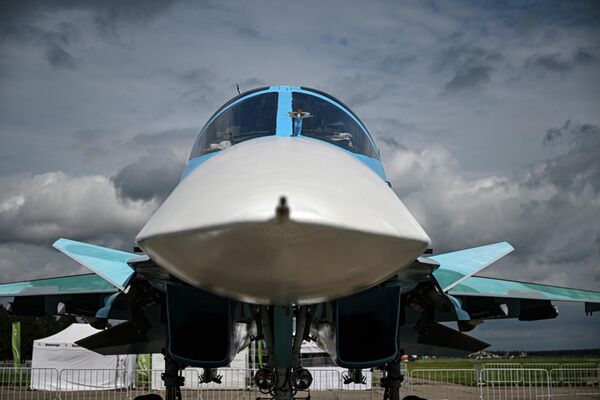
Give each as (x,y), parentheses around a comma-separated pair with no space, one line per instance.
(74,284)
(492,287)
(459,265)
(108,263)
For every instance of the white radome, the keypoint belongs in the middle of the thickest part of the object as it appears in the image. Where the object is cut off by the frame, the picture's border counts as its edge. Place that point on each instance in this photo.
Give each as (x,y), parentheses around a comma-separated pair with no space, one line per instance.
(347,230)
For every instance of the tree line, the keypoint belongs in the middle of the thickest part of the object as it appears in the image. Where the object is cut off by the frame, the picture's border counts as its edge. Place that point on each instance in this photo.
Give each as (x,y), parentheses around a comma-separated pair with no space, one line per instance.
(32,328)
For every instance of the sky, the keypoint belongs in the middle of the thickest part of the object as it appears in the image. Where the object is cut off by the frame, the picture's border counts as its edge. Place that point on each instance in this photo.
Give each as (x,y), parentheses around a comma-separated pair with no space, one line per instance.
(487,115)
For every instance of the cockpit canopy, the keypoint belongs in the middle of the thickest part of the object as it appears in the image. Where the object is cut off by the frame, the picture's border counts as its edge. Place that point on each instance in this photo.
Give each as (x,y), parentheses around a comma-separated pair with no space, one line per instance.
(250,118)
(305,113)
(329,122)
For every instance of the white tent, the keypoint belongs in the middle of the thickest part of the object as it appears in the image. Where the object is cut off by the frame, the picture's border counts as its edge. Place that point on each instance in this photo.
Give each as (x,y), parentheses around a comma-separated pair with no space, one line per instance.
(59,364)
(234,376)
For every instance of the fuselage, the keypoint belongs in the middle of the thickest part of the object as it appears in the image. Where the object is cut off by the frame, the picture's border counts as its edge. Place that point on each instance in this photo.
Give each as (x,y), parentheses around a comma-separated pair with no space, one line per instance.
(283,200)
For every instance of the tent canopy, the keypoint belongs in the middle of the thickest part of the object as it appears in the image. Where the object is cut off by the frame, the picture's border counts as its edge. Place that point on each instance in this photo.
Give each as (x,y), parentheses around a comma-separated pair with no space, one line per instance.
(59,364)
(67,337)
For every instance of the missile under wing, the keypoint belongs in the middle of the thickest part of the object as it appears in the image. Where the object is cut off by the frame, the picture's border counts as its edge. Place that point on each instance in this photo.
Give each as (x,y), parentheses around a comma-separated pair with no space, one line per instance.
(283,228)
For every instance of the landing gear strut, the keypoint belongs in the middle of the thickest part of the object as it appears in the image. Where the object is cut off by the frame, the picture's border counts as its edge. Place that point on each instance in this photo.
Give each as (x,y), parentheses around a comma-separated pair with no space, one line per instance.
(392,380)
(172,379)
(283,377)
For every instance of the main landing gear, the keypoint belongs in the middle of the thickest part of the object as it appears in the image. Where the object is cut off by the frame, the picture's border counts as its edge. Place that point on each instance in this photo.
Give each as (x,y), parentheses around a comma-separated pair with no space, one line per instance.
(392,380)
(172,379)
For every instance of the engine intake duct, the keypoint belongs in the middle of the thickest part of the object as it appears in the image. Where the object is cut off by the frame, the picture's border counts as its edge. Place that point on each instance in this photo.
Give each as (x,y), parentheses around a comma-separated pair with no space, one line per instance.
(200,327)
(367,317)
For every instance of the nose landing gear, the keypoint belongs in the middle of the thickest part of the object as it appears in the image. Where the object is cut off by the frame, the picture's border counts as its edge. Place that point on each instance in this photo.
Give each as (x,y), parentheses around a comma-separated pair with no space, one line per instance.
(283,384)
(284,377)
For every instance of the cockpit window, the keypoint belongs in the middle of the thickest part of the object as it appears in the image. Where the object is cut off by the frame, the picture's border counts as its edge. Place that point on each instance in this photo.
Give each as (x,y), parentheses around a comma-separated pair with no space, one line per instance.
(321,119)
(248,119)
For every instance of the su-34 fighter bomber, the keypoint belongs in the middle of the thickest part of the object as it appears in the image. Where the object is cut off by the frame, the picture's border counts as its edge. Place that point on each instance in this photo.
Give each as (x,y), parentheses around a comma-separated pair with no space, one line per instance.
(283,228)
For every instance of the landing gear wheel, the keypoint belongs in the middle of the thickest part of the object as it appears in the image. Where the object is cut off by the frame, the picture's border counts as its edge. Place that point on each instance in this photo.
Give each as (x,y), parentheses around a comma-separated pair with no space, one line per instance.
(301,379)
(148,397)
(265,379)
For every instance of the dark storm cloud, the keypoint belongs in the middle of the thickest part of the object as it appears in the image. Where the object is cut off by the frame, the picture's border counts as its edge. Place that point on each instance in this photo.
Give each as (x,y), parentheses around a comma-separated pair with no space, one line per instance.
(152,176)
(59,57)
(470,78)
(579,168)
(396,63)
(573,133)
(109,14)
(471,66)
(17,16)
(21,261)
(38,209)
(19,21)
(198,85)
(94,148)
(544,214)
(559,64)
(386,132)
(56,43)
(465,56)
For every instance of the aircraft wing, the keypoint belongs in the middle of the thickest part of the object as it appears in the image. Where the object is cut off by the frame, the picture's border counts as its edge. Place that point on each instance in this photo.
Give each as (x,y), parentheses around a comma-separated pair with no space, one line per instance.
(502,288)
(76,294)
(457,266)
(64,285)
(108,263)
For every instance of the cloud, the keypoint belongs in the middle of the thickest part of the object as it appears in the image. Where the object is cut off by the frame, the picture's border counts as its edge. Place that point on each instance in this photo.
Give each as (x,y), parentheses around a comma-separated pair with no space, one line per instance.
(38,209)
(111,154)
(152,177)
(471,66)
(109,14)
(578,168)
(22,261)
(573,133)
(471,78)
(55,42)
(545,213)
(23,22)
(559,64)
(106,14)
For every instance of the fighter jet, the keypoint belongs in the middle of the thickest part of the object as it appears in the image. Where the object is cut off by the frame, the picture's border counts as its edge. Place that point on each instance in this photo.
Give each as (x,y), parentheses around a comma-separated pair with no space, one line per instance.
(284,229)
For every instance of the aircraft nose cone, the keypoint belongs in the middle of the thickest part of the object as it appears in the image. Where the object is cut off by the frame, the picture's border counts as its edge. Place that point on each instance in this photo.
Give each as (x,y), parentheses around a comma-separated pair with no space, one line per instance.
(283,220)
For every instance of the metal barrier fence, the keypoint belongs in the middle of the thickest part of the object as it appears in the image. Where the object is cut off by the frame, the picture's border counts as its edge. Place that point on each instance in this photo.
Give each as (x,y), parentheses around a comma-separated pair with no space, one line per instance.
(575,383)
(15,384)
(519,383)
(460,384)
(237,384)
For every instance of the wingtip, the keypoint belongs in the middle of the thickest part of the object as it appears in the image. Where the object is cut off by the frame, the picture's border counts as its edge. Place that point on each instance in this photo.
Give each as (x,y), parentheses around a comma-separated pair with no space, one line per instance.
(508,246)
(57,244)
